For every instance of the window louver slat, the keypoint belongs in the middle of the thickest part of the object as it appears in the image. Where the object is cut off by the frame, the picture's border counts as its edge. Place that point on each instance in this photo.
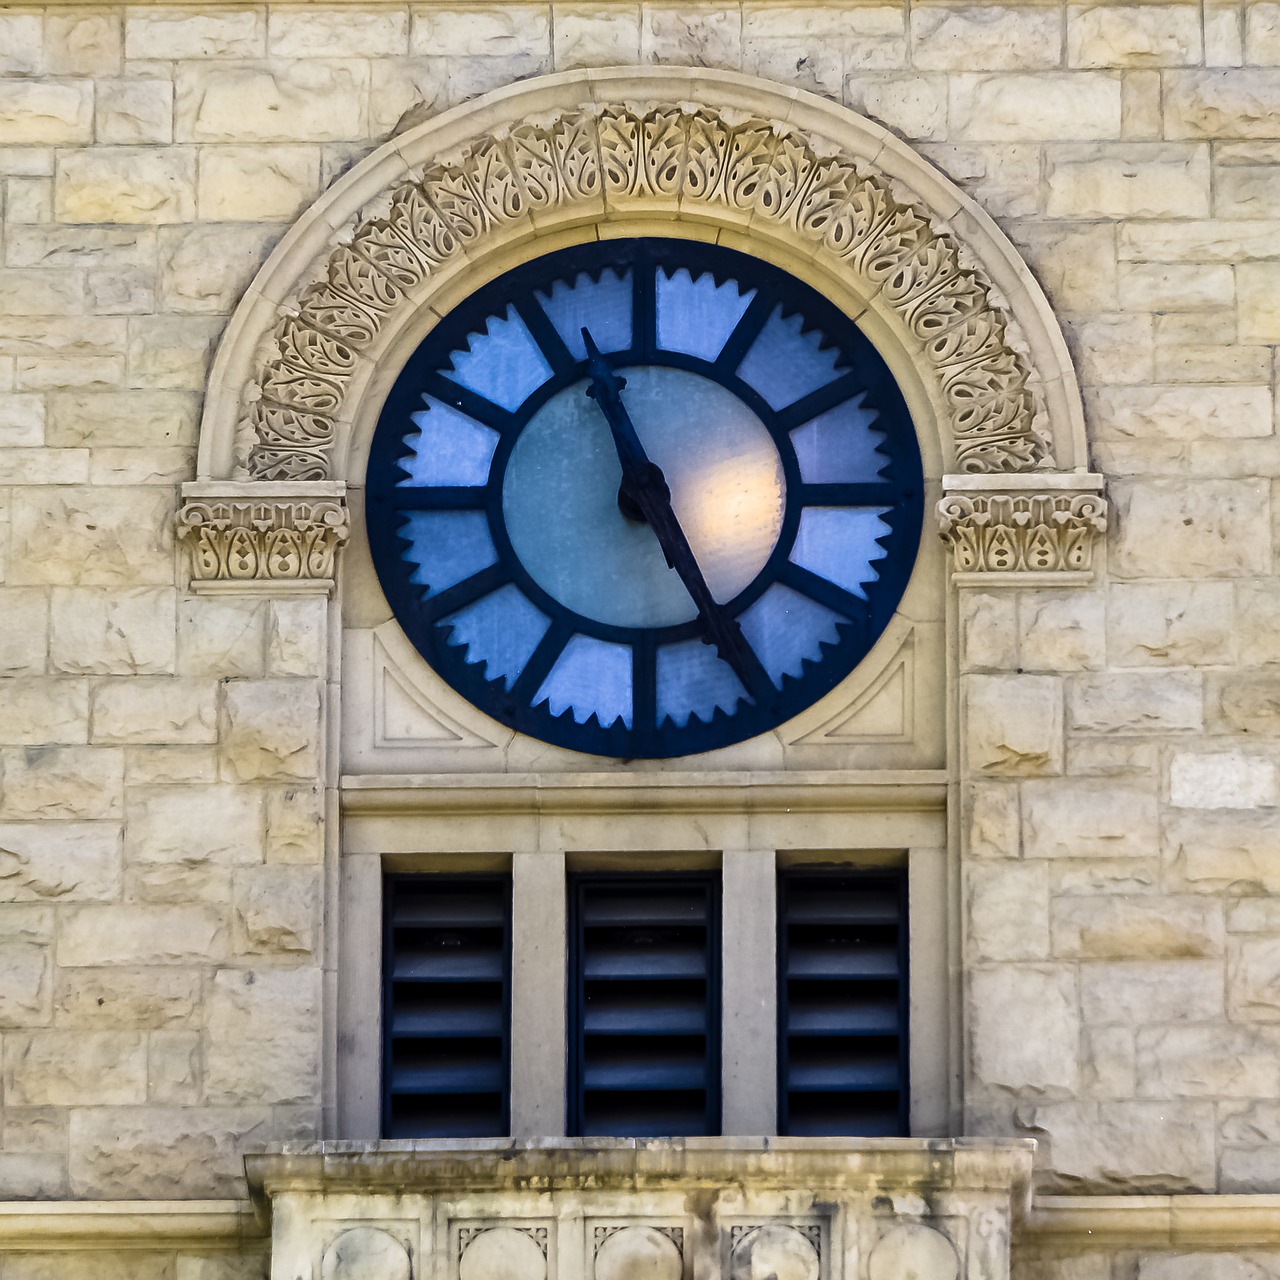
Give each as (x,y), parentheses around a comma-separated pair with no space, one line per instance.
(446,1013)
(842,1003)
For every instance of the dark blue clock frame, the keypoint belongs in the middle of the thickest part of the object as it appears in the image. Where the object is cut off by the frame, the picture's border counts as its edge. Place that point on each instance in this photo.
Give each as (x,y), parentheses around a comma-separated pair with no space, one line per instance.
(492,579)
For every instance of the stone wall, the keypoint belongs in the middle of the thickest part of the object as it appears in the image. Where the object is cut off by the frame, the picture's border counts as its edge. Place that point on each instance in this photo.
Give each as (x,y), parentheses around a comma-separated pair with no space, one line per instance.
(160,813)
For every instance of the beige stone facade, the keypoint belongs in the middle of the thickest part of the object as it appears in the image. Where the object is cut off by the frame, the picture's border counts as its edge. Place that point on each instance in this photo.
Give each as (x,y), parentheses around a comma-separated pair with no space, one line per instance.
(214,738)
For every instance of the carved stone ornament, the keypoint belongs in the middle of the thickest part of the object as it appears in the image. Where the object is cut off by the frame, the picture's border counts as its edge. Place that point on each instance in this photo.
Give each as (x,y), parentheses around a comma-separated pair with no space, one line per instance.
(263,537)
(1049,525)
(658,159)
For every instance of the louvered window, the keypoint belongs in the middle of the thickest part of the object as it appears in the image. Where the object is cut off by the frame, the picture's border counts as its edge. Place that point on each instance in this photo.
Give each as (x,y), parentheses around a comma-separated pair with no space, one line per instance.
(644,1005)
(842,1003)
(447,1006)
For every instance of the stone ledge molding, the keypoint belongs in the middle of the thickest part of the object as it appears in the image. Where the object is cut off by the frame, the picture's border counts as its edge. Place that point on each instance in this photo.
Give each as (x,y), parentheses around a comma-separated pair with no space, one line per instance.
(66,1225)
(256,538)
(1031,530)
(640,149)
(1152,1222)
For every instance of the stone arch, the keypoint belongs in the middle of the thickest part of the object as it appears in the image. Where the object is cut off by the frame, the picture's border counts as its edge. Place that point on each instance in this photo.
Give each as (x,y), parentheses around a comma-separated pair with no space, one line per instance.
(570,156)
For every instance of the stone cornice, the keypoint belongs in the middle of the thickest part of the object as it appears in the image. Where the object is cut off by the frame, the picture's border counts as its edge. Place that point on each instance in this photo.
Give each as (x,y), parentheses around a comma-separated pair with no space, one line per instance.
(1062,1223)
(63,1225)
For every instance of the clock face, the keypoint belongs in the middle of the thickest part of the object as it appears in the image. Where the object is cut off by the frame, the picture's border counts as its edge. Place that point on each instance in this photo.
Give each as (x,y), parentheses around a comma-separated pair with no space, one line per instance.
(644,498)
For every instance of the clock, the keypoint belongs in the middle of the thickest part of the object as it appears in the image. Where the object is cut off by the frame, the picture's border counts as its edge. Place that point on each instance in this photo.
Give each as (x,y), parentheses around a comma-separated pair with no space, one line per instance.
(644,497)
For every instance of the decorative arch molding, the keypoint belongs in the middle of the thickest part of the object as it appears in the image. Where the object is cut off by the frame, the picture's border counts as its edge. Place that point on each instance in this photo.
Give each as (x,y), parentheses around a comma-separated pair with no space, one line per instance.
(617,152)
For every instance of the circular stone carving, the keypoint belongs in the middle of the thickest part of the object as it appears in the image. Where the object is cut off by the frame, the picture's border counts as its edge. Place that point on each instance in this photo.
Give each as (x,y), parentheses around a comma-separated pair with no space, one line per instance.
(365,1253)
(502,1254)
(638,1253)
(913,1252)
(774,1252)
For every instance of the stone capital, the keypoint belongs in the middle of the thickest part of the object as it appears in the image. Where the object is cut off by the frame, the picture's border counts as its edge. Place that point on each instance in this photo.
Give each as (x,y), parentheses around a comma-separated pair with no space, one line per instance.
(1022,530)
(263,538)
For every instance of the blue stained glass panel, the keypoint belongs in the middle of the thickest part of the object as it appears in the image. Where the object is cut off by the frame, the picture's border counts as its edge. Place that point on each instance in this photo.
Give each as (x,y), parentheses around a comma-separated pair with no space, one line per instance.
(501,630)
(449,448)
(603,305)
(783,364)
(785,628)
(692,680)
(505,365)
(447,547)
(839,544)
(840,446)
(697,316)
(592,677)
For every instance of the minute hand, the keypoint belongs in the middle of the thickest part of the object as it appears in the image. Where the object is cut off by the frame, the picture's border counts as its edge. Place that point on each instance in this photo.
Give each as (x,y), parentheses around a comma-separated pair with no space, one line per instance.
(644,489)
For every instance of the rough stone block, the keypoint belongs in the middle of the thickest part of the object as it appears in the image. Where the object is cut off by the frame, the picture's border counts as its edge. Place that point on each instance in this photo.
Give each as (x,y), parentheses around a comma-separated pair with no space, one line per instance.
(1246,703)
(132,419)
(1075,264)
(194,824)
(1123,35)
(126,934)
(295,825)
(1222,780)
(1259,310)
(1025,1026)
(297,632)
(257,184)
(1132,993)
(276,909)
(1004,178)
(1208,1061)
(1253,979)
(1208,104)
(155,710)
(62,782)
(170,34)
(26,985)
(135,111)
(272,730)
(1062,630)
(337,33)
(1166,287)
(988,630)
(1136,702)
(39,712)
(126,184)
(101,632)
(263,1036)
(164,765)
(22,420)
(597,37)
(405,91)
(1141,926)
(1088,818)
(21,44)
(173,1066)
(914,106)
(36,293)
(120,999)
(1130,180)
(1108,1068)
(205,269)
(1110,758)
(989,37)
(224,638)
(1216,849)
(1050,106)
(59,861)
(1013,725)
(1183,412)
(1008,911)
(75,1068)
(1171,624)
(56,112)
(305,101)
(24,638)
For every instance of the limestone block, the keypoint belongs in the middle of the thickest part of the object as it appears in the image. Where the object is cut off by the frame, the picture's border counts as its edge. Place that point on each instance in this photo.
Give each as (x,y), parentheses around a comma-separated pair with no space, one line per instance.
(337,33)
(1244,190)
(29,200)
(194,824)
(1253,979)
(1122,35)
(1128,1146)
(1025,1026)
(310,100)
(1195,241)
(992,820)
(1242,1170)
(1049,106)
(988,630)
(21,44)
(181,884)
(1111,758)
(914,106)
(1223,35)
(1208,104)
(297,632)
(26,162)
(131,418)
(1131,993)
(38,712)
(173,1066)
(1237,848)
(1076,265)
(405,91)
(172,351)
(1247,703)
(272,729)
(816,66)
(141,466)
(34,293)
(1136,702)
(824,41)
(59,861)
(1258,622)
(1262,34)
(33,1174)
(205,269)
(1147,926)
(79,43)
(1013,725)
(1008,911)
(1062,630)
(1208,1061)
(1108,1067)
(151,1152)
(62,782)
(295,825)
(26,922)
(691,37)
(1170,624)
(989,37)
(127,934)
(596,37)
(257,184)
(262,1040)
(1174,287)
(276,909)
(1088,818)
(242,1266)
(1218,1266)
(126,184)
(221,637)
(1259,310)
(155,710)
(1222,780)
(101,632)
(75,1068)
(26,985)
(468,77)
(1207,362)
(55,112)
(24,639)
(120,999)
(492,30)
(85,537)
(161,765)
(57,374)
(94,1264)
(135,111)
(21,420)
(169,34)
(71,337)
(1181,529)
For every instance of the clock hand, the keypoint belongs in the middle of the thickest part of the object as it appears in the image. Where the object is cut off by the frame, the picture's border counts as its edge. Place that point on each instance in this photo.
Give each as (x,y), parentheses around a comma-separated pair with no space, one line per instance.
(645,495)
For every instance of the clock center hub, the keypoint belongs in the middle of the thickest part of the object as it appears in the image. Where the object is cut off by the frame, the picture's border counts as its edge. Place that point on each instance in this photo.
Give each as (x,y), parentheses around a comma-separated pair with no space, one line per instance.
(560,497)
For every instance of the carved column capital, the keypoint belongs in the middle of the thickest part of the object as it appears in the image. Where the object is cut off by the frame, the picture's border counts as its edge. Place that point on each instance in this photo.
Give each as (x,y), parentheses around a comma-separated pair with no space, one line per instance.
(262,538)
(1020,529)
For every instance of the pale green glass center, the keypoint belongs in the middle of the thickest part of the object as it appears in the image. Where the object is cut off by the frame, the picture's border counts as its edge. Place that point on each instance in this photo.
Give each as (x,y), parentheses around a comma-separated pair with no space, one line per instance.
(560,498)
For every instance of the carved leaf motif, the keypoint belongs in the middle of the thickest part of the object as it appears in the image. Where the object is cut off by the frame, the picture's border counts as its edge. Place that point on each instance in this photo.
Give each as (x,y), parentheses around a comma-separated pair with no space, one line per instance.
(416,220)
(831,184)
(784,178)
(390,254)
(456,201)
(305,390)
(663,150)
(294,463)
(534,159)
(577,154)
(323,308)
(309,351)
(706,155)
(358,279)
(494,178)
(620,153)
(751,148)
(279,425)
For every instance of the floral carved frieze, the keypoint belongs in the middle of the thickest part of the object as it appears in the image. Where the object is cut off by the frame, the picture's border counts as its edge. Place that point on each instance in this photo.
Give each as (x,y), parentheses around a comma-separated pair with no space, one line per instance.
(669,158)
(256,541)
(1025,531)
